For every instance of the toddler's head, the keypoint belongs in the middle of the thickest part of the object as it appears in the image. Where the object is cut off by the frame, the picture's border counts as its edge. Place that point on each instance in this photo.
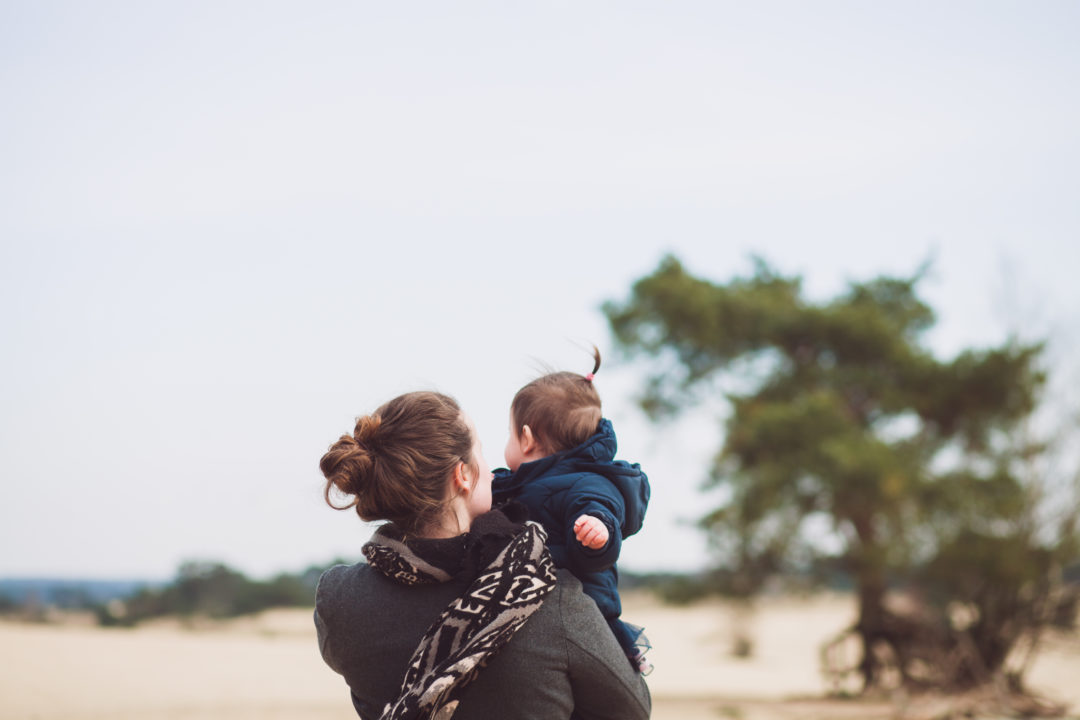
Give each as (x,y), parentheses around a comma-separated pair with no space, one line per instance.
(554,412)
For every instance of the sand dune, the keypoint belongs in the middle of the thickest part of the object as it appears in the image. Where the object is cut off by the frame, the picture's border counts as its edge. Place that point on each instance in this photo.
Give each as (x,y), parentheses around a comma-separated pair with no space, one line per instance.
(269,667)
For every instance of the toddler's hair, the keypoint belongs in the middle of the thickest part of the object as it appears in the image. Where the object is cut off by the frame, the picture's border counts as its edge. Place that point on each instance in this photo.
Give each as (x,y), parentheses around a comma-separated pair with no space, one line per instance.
(561,408)
(397,463)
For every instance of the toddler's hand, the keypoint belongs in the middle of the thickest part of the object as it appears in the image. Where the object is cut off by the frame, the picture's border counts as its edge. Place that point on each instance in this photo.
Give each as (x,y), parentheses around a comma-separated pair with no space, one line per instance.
(590,532)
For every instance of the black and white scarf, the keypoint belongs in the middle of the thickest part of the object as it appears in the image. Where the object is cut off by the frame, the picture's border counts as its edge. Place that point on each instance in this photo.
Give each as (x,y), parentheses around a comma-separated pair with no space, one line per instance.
(473,627)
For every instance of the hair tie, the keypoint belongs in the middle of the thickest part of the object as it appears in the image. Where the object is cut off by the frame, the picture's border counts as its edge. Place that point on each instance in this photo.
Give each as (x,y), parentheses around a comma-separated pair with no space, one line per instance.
(589,377)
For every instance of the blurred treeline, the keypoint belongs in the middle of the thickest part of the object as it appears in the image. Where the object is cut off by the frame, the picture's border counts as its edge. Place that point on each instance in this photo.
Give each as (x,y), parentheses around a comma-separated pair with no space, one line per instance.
(200,589)
(213,590)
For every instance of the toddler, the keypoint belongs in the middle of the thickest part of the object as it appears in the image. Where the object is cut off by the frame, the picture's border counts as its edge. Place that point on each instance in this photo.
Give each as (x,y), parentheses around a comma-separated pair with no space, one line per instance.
(561,466)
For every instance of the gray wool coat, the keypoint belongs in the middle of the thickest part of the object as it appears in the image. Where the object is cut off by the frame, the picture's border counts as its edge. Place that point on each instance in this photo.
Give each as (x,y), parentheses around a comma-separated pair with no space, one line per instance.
(565,658)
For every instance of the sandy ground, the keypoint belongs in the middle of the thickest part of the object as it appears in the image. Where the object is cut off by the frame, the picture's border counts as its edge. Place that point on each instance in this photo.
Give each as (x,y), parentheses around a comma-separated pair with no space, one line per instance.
(269,667)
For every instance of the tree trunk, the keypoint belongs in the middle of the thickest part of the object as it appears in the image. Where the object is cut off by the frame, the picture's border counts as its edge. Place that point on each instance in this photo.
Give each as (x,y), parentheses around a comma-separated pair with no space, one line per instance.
(870,578)
(871,625)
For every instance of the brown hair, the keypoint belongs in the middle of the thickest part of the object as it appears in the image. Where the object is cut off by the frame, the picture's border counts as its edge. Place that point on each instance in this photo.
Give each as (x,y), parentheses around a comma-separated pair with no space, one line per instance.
(397,463)
(561,408)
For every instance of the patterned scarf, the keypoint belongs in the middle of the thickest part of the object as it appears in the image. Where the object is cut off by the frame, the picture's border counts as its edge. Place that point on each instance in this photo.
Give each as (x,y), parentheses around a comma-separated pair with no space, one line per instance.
(473,627)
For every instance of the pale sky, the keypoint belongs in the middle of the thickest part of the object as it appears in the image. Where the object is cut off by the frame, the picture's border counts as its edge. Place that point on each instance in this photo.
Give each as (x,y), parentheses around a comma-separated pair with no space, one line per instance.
(227,229)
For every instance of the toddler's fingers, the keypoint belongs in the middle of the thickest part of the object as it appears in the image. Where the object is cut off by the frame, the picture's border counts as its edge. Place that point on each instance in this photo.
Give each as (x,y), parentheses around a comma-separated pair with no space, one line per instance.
(595,538)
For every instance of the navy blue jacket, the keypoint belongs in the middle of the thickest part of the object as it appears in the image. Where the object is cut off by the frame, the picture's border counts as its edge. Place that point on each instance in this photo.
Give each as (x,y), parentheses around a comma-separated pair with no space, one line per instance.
(587,479)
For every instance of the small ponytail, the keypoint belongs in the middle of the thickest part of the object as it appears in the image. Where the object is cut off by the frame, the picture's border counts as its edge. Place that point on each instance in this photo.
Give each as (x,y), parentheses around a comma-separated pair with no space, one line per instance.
(596,364)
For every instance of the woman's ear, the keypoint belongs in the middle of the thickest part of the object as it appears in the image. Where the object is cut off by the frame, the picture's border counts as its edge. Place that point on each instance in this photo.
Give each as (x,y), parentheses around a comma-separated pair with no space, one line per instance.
(461,477)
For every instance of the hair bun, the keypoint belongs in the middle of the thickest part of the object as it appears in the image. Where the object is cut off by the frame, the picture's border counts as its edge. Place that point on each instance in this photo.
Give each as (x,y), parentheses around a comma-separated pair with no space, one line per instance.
(366,430)
(347,464)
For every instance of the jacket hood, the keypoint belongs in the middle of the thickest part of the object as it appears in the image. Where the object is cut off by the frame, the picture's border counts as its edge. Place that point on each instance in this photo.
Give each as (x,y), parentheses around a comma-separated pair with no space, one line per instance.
(595,455)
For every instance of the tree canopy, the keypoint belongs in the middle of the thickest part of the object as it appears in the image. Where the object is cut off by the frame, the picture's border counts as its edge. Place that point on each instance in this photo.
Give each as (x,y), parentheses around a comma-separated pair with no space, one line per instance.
(841,412)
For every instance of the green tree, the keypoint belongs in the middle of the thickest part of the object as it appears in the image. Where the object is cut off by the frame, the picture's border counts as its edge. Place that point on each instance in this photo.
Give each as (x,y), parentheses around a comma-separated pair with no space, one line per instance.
(838,411)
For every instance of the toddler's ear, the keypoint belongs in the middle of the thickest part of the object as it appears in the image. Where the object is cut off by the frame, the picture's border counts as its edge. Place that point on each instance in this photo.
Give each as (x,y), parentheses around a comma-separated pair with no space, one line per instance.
(528,440)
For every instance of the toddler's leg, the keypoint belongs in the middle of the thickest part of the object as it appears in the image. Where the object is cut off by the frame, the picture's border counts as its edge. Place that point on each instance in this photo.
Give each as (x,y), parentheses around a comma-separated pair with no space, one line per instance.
(633,642)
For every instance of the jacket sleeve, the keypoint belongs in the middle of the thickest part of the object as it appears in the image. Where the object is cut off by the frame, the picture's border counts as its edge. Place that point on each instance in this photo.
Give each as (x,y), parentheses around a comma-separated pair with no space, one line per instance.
(593,495)
(604,685)
(324,609)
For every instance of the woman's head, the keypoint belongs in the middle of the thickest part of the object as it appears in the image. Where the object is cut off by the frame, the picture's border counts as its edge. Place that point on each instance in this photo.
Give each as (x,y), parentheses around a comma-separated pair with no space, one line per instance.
(554,412)
(414,461)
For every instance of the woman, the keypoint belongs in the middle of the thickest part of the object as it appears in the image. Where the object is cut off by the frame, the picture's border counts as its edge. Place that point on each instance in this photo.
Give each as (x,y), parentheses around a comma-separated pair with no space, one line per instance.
(459,610)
